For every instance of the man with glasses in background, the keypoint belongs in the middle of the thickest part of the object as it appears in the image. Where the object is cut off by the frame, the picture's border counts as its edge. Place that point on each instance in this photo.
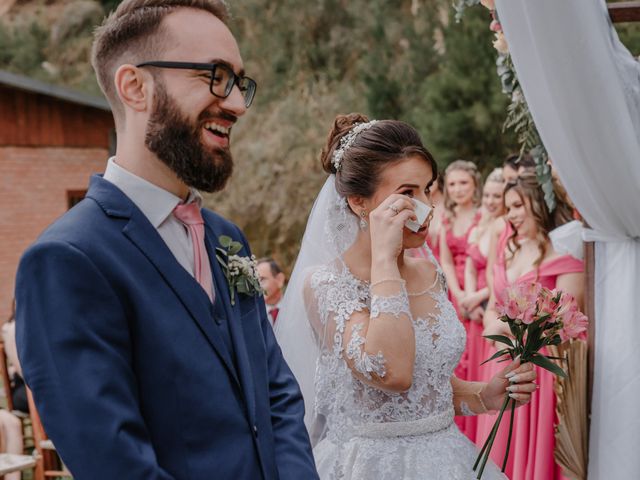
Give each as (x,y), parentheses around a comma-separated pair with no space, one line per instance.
(145,364)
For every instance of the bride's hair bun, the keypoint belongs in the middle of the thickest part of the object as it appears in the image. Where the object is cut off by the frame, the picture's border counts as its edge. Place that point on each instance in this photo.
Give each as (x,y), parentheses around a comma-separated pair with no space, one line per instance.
(369,152)
(341,125)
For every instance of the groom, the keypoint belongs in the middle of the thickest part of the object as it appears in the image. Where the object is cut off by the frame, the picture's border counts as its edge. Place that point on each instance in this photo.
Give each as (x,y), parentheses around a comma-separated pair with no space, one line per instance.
(141,366)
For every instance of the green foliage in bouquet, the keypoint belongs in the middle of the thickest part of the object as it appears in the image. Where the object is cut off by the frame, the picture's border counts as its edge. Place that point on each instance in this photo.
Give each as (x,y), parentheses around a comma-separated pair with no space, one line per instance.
(537,317)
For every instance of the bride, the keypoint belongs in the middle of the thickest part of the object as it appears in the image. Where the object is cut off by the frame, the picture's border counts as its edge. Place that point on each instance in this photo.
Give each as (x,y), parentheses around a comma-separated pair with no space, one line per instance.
(368,331)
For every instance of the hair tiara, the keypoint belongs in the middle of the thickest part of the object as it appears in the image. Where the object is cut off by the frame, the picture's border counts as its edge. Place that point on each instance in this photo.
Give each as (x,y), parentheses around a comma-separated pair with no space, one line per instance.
(347,141)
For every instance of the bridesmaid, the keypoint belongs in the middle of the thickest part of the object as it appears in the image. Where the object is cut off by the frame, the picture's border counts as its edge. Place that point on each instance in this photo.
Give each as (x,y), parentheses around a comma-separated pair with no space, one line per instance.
(432,239)
(462,193)
(526,254)
(475,281)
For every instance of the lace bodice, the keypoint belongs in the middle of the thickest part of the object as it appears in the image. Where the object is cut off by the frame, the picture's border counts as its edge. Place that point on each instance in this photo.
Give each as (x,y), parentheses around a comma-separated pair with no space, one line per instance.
(346,402)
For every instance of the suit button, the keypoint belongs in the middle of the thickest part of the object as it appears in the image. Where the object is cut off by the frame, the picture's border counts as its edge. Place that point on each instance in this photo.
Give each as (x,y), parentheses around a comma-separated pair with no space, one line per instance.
(218,320)
(255,430)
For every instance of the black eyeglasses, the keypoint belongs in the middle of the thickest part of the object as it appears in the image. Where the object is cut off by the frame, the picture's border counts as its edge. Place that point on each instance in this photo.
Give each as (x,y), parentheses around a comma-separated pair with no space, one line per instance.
(222,78)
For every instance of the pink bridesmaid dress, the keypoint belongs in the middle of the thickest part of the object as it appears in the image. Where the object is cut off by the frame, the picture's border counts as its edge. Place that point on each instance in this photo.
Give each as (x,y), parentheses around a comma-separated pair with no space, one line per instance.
(458,247)
(476,344)
(533,441)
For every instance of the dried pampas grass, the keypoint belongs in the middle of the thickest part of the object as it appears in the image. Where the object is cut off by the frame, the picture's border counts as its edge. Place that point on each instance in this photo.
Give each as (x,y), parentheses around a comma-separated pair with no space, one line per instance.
(571,448)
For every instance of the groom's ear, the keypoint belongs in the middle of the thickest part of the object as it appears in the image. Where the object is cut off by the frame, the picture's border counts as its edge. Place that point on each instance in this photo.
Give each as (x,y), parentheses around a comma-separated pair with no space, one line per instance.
(357,204)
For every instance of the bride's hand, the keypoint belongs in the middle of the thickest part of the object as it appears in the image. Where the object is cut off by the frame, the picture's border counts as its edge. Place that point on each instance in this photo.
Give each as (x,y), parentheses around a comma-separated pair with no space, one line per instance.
(516,380)
(386,223)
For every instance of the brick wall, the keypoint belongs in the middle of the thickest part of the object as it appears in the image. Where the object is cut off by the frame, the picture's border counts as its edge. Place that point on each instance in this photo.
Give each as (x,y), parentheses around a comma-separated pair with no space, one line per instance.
(33,193)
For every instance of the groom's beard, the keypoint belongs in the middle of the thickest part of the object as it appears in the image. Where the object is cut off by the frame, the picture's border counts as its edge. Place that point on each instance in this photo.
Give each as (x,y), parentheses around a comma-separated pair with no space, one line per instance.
(178,143)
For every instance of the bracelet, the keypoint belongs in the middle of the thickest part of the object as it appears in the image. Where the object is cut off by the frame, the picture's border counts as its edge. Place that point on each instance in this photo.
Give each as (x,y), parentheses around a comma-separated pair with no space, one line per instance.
(385,280)
(479,397)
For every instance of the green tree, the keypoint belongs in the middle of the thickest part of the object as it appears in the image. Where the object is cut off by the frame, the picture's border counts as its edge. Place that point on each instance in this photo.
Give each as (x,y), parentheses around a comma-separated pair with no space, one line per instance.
(462,108)
(313,60)
(110,5)
(23,47)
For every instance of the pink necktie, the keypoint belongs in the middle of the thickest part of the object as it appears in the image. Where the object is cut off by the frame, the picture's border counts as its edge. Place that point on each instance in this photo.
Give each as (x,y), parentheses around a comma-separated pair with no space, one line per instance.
(190,216)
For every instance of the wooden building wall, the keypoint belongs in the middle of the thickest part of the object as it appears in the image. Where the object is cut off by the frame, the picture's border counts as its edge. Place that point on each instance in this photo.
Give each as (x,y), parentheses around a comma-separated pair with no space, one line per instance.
(31,119)
(48,150)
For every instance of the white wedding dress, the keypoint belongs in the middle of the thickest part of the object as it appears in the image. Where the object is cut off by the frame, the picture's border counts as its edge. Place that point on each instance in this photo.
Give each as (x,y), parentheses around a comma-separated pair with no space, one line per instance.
(366,433)
(374,434)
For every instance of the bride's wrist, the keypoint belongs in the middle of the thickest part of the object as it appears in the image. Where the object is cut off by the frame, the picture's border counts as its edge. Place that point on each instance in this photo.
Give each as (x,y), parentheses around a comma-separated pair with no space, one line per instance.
(384,268)
(484,402)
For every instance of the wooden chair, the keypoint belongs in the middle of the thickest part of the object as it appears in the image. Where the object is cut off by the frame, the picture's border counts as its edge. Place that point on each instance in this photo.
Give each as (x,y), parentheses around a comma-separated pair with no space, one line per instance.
(46,460)
(12,462)
(6,384)
(48,463)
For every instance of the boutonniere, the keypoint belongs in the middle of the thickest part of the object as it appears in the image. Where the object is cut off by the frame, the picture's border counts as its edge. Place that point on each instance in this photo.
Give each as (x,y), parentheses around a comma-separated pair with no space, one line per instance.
(241,272)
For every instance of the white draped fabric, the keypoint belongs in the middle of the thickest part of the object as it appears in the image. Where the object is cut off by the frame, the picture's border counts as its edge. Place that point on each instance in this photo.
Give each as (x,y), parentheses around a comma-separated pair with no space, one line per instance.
(583,89)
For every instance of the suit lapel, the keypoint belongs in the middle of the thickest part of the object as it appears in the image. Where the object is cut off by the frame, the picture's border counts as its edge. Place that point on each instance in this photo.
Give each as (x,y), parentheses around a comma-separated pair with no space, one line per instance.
(233,318)
(140,232)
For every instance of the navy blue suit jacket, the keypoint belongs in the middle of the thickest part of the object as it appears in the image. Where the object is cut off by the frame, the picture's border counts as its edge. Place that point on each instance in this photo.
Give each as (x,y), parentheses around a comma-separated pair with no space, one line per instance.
(128,363)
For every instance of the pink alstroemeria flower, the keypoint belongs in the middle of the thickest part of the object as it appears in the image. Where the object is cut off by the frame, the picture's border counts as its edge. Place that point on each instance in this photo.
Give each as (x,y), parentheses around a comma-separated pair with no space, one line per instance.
(519,302)
(495,26)
(574,325)
(528,301)
(547,304)
(566,304)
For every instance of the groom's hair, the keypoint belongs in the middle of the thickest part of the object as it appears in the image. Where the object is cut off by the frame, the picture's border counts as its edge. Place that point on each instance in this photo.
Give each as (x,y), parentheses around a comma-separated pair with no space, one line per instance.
(133,34)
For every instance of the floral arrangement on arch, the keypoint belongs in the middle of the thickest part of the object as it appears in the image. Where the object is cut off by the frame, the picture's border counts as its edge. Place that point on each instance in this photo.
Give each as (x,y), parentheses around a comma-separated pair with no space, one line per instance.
(518,115)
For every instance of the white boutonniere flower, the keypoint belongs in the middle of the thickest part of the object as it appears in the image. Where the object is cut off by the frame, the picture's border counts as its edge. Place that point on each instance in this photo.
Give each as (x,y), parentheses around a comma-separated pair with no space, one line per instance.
(241,272)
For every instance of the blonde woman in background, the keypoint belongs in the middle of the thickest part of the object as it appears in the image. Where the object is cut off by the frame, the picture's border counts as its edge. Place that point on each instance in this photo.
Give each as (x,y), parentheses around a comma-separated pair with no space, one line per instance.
(475,282)
(462,194)
(476,287)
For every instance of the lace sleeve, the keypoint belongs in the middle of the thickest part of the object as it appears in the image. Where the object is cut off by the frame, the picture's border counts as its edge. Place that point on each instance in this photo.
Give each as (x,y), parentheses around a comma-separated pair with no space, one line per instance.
(348,309)
(363,362)
(336,299)
(394,305)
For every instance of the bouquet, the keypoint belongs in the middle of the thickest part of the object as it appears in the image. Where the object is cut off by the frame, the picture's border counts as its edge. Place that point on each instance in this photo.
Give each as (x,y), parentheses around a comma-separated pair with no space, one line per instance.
(537,317)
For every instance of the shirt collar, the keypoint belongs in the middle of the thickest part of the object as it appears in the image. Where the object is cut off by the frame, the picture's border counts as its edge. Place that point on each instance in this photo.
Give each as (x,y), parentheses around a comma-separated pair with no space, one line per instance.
(275,305)
(154,202)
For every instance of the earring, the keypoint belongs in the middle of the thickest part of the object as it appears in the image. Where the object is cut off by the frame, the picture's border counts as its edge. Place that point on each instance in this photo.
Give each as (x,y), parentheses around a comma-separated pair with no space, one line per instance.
(363,222)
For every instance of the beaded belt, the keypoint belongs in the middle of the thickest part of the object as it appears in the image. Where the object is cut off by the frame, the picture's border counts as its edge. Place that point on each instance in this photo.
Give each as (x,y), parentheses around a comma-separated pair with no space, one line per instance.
(431,424)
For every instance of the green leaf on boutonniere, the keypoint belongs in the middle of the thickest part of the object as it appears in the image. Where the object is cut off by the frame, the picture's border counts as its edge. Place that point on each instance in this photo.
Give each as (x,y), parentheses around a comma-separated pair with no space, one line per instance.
(240,271)
(222,261)
(234,248)
(225,241)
